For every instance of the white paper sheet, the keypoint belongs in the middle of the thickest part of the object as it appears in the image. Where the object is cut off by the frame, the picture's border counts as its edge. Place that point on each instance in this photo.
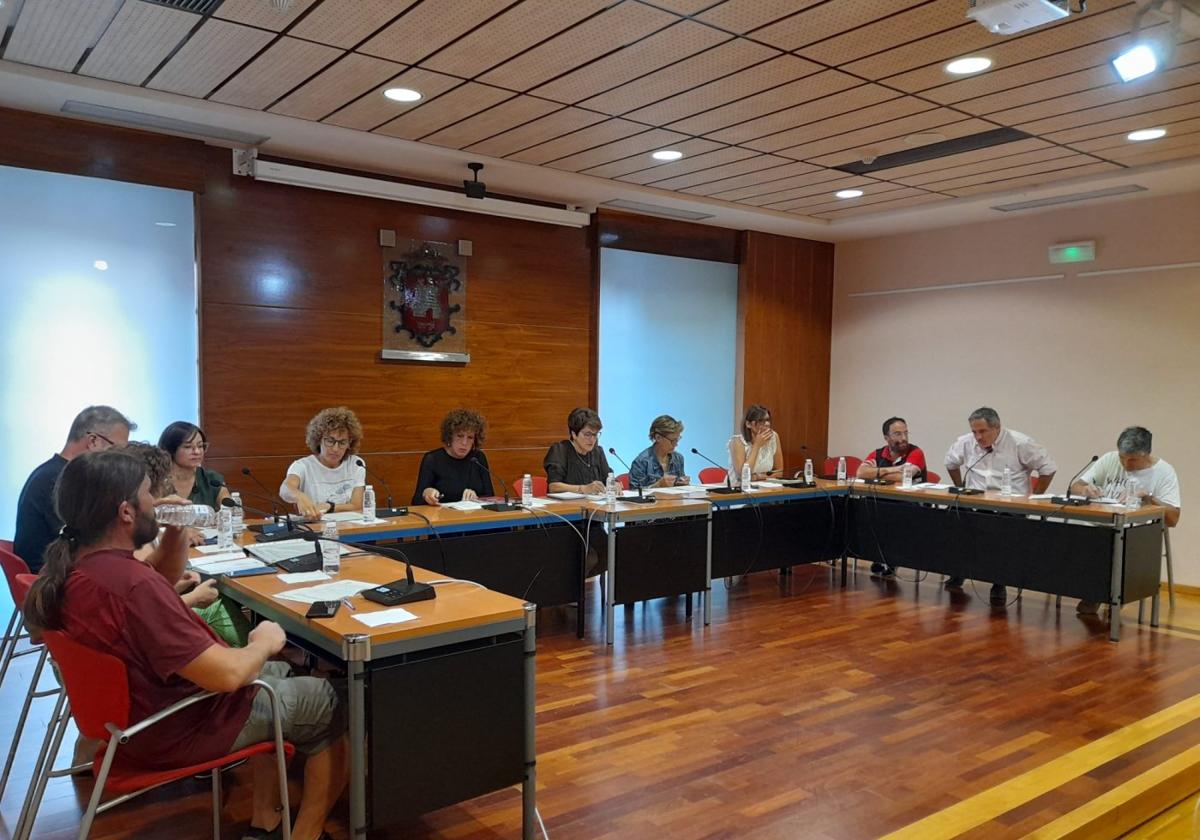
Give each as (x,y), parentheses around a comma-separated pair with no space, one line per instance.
(565,495)
(303,577)
(332,591)
(210,559)
(226,566)
(215,549)
(464,505)
(342,516)
(395,615)
(277,552)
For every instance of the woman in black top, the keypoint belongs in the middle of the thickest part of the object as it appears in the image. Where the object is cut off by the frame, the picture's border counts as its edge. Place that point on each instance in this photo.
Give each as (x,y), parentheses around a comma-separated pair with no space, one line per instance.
(458,471)
(578,465)
(186,443)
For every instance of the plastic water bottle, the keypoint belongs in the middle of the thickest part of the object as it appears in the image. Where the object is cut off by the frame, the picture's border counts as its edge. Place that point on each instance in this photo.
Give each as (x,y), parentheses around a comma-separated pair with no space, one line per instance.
(239,516)
(185,516)
(610,490)
(526,490)
(841,474)
(746,477)
(369,503)
(808,470)
(331,552)
(225,528)
(1006,482)
(1131,494)
(907,476)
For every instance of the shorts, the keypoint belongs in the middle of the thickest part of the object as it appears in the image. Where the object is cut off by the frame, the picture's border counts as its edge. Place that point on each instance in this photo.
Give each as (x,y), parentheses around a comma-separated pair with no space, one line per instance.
(311,711)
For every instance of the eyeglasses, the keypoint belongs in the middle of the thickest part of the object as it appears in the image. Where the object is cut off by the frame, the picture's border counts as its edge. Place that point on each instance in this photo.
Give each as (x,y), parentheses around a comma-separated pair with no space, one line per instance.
(674,440)
(109,441)
(332,443)
(195,447)
(589,434)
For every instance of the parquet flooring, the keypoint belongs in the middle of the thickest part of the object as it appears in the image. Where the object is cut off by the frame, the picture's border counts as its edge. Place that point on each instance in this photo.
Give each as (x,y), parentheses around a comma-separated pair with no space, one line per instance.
(803,711)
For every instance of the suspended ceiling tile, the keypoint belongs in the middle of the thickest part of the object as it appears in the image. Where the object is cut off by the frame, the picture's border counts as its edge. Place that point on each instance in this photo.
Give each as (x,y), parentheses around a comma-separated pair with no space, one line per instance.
(1167,149)
(664,47)
(662,175)
(538,131)
(722,60)
(770,101)
(642,162)
(816,187)
(920,22)
(345,23)
(55,33)
(779,168)
(591,39)
(825,22)
(514,112)
(1044,167)
(644,143)
(1096,114)
(875,115)
(741,16)
(1033,180)
(884,196)
(374,109)
(429,26)
(578,141)
(138,39)
(925,56)
(283,66)
(1047,88)
(215,51)
(849,153)
(465,100)
(948,170)
(844,102)
(513,32)
(683,7)
(723,172)
(879,207)
(7,11)
(262,14)
(341,83)
(778,189)
(936,165)
(1119,146)
(752,80)
(1164,118)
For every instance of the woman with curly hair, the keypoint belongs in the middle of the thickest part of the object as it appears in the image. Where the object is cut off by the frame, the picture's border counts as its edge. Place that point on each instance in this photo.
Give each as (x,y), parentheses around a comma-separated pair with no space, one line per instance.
(329,479)
(458,471)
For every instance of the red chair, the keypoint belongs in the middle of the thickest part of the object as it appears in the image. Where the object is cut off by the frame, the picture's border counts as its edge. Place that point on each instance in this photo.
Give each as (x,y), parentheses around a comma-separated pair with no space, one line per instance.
(624,479)
(932,477)
(712,475)
(97,687)
(12,566)
(540,486)
(6,545)
(852,465)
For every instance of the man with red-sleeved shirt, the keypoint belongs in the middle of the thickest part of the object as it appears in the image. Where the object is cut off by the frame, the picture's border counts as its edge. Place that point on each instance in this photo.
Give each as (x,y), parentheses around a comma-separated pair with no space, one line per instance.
(887,463)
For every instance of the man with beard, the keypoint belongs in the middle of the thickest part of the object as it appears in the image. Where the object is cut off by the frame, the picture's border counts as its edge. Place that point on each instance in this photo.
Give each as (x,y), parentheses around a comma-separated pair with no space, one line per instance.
(887,464)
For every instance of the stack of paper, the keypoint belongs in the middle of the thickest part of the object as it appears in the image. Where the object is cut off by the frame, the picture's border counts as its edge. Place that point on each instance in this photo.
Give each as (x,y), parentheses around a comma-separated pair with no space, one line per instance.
(332,591)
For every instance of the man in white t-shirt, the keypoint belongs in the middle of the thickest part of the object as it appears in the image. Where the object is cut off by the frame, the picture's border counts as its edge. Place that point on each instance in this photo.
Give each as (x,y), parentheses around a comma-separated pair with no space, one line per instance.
(1157,483)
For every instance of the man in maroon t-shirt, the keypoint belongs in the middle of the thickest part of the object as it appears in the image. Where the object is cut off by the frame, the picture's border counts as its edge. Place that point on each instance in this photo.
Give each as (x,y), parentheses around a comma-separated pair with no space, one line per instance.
(94,589)
(887,464)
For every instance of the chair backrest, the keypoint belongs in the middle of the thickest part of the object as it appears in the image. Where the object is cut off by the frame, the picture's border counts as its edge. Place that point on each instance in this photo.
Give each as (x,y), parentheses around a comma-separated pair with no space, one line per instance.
(932,477)
(6,545)
(13,566)
(20,589)
(96,683)
(852,465)
(623,478)
(712,475)
(540,485)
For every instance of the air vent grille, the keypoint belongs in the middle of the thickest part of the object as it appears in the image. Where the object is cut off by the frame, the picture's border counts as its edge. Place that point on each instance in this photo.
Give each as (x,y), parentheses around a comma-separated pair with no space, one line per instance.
(200,7)
(1070,198)
(957,146)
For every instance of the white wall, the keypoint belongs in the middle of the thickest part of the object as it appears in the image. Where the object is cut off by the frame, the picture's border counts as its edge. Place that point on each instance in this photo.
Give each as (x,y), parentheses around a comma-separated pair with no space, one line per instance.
(1069,361)
(668,345)
(75,335)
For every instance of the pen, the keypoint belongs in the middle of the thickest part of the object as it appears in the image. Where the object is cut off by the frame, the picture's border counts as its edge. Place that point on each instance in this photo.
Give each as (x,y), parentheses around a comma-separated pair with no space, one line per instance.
(349,605)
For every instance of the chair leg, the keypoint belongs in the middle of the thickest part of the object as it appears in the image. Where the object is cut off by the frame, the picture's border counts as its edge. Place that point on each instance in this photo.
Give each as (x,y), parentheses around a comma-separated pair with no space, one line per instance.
(16,741)
(89,814)
(688,609)
(9,645)
(1058,602)
(1170,568)
(216,799)
(43,769)
(1141,610)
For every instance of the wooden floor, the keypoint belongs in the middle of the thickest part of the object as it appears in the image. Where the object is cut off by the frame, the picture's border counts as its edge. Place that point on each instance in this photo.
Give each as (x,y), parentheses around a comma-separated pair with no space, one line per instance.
(803,711)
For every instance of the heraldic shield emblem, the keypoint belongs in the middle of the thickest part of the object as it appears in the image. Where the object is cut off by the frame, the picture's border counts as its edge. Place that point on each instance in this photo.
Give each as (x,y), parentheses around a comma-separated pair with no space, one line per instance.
(424,301)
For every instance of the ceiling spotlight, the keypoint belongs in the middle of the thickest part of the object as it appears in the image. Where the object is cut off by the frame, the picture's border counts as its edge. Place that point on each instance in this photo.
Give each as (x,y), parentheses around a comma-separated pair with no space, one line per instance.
(966,66)
(402,94)
(100,265)
(849,193)
(282,5)
(667,154)
(1135,63)
(1146,134)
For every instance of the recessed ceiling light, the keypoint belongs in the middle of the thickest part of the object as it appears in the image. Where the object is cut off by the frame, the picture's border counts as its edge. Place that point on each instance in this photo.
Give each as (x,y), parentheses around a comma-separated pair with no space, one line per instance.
(971,64)
(1146,134)
(402,94)
(667,154)
(848,193)
(1135,63)
(100,265)
(164,224)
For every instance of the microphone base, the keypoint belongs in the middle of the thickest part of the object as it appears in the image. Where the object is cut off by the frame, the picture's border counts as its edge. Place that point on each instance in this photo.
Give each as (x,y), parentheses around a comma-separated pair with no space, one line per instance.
(640,500)
(283,534)
(1071,501)
(500,507)
(268,529)
(964,491)
(390,512)
(723,491)
(871,481)
(400,592)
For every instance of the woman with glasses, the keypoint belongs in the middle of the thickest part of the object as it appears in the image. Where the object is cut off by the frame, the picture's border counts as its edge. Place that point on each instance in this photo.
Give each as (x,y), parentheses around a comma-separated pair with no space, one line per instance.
(329,479)
(186,443)
(577,464)
(758,444)
(458,470)
(659,465)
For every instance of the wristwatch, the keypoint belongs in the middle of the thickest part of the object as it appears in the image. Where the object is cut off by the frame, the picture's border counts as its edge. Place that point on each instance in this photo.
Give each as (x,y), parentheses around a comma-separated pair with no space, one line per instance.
(332,505)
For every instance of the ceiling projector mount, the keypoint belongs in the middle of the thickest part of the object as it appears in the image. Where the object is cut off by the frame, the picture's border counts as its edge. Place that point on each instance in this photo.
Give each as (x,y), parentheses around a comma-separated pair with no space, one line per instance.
(1007,17)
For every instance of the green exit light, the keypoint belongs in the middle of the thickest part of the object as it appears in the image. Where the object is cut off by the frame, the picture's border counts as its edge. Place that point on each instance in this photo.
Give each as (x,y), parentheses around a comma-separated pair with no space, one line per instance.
(1073,252)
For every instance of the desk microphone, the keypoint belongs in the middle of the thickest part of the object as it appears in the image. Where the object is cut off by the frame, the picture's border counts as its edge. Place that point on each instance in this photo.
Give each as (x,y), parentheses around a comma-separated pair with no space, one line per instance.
(397,592)
(279,531)
(496,506)
(274,497)
(721,491)
(391,509)
(967,491)
(641,500)
(1069,499)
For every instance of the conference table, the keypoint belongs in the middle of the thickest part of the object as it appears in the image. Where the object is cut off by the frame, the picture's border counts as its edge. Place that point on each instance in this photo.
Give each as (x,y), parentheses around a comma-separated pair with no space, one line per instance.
(440,707)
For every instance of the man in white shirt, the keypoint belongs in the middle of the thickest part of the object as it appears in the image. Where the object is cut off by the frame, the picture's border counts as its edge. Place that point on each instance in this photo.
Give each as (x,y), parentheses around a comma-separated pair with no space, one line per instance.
(985,453)
(1157,483)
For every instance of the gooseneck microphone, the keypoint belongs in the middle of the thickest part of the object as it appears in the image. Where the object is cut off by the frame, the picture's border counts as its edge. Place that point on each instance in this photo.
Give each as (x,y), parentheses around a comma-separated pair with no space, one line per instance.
(640,499)
(964,490)
(1070,499)
(397,592)
(721,491)
(285,531)
(391,509)
(496,506)
(274,497)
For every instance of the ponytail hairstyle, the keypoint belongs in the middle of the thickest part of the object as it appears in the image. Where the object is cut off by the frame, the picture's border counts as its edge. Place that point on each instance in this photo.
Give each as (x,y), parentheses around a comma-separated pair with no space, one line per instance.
(87,497)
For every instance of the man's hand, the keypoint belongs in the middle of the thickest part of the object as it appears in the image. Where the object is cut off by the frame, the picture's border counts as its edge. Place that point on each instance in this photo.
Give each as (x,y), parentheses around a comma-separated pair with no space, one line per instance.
(186,581)
(268,635)
(203,595)
(469,495)
(667,480)
(194,536)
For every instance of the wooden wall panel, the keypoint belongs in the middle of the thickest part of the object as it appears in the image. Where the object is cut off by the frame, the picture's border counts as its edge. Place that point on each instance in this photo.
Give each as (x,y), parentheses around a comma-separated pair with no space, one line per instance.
(786,302)
(650,234)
